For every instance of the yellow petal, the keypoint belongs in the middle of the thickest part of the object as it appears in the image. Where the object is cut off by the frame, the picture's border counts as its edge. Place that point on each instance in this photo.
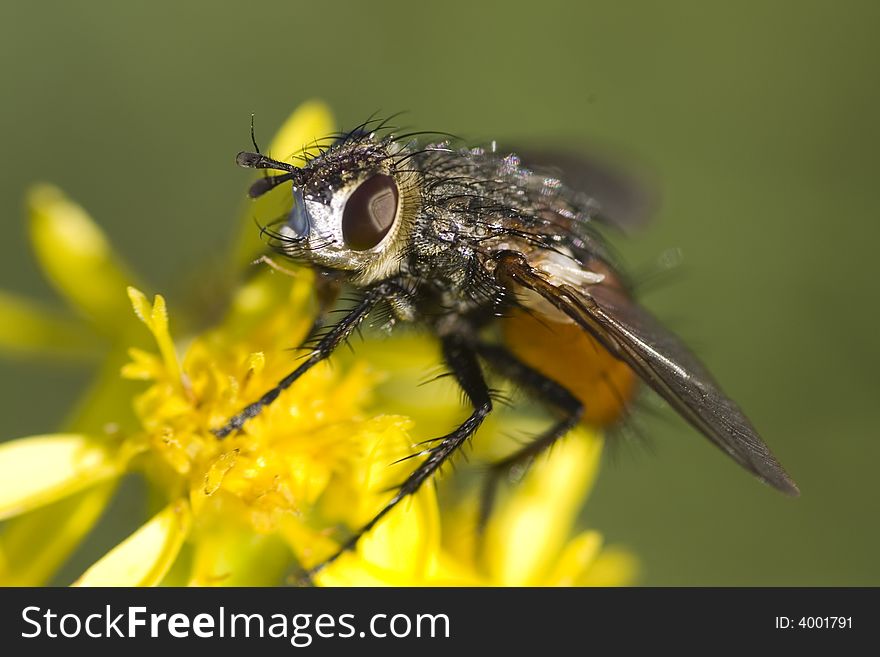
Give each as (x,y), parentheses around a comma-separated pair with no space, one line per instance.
(411,361)
(357,497)
(230,554)
(310,121)
(309,546)
(409,537)
(575,560)
(451,571)
(402,550)
(254,315)
(36,544)
(145,557)
(155,316)
(28,329)
(613,567)
(41,469)
(78,259)
(527,533)
(144,366)
(410,364)
(107,401)
(352,570)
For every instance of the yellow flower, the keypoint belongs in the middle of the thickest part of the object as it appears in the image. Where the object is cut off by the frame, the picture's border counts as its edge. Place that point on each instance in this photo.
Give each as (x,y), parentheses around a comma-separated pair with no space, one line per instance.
(286,491)
(527,541)
(235,500)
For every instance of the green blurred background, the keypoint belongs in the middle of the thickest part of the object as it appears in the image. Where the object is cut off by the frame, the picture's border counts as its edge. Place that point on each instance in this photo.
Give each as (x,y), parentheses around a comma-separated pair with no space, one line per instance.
(761,121)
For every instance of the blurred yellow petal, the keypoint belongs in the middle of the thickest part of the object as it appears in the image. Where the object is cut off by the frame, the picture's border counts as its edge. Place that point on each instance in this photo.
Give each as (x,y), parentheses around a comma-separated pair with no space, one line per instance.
(384,439)
(311,121)
(403,549)
(145,557)
(613,567)
(411,388)
(36,544)
(78,259)
(254,315)
(529,529)
(28,329)
(410,391)
(234,555)
(310,546)
(41,469)
(353,570)
(106,404)
(144,366)
(578,555)
(408,538)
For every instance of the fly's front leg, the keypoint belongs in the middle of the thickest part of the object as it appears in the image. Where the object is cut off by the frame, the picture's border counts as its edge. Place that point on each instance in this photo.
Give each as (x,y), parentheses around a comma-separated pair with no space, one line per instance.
(465,368)
(324,347)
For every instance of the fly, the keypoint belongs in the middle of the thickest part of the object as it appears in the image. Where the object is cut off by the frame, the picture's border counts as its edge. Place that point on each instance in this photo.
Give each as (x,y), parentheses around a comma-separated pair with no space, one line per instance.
(508,268)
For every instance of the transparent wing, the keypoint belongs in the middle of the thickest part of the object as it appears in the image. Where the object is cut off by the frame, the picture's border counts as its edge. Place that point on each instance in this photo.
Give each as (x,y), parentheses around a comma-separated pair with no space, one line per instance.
(664,363)
(625,198)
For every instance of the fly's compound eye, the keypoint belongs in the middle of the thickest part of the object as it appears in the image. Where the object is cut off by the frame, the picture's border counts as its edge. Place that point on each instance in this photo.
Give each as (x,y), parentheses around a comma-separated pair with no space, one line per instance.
(370,212)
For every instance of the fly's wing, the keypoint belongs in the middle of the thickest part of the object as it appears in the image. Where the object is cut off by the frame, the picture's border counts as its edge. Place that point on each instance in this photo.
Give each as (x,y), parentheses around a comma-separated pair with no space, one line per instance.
(624,197)
(662,361)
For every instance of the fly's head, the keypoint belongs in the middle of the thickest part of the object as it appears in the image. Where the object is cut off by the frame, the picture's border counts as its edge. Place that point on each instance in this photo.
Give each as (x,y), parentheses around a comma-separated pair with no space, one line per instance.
(353,205)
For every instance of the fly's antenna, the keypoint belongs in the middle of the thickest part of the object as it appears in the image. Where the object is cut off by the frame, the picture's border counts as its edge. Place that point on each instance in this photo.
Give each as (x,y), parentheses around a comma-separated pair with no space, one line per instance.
(269,183)
(257,160)
(253,137)
(260,161)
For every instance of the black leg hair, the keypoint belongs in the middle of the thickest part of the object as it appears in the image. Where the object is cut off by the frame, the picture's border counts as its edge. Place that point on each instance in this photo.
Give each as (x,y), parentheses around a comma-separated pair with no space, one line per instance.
(464,365)
(328,343)
(509,366)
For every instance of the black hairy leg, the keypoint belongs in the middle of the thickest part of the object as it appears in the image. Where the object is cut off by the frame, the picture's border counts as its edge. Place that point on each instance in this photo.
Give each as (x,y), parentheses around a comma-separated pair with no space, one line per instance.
(510,367)
(322,350)
(463,363)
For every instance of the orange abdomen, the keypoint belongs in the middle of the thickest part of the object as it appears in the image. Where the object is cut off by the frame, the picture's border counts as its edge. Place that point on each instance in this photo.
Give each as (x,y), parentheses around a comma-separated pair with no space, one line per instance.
(567,354)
